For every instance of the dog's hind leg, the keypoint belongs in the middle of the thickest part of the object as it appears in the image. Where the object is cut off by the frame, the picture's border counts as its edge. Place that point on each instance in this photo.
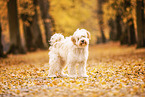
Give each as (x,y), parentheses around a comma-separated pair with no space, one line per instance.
(61,68)
(54,65)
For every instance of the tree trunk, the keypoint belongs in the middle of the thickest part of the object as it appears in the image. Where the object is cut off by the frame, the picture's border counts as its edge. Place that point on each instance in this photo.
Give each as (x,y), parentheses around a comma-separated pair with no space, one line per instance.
(15,41)
(100,19)
(144,21)
(112,32)
(129,24)
(27,32)
(28,38)
(32,32)
(128,35)
(102,35)
(1,46)
(118,27)
(47,19)
(131,33)
(124,35)
(35,29)
(140,23)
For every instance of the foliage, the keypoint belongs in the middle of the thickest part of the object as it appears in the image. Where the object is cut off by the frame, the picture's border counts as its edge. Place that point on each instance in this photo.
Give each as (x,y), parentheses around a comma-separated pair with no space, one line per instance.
(3,19)
(26,7)
(2,7)
(72,14)
(123,7)
(113,71)
(68,16)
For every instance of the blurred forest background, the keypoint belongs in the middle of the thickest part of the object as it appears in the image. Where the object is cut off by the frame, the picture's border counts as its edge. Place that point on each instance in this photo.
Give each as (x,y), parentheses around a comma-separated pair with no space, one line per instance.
(27,25)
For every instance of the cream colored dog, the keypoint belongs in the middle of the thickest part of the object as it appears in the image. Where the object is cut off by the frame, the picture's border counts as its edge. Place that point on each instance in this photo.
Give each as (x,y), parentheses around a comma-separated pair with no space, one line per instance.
(69,51)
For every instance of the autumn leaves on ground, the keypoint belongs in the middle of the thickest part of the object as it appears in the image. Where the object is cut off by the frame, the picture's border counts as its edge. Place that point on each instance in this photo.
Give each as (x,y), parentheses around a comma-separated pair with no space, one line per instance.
(113,70)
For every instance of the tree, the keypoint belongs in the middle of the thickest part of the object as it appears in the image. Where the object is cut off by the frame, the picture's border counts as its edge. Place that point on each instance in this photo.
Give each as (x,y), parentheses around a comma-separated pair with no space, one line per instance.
(114,18)
(32,32)
(47,19)
(15,41)
(100,19)
(1,46)
(140,23)
(128,36)
(131,32)
(27,32)
(118,26)
(144,21)
(112,30)
(122,14)
(27,22)
(35,29)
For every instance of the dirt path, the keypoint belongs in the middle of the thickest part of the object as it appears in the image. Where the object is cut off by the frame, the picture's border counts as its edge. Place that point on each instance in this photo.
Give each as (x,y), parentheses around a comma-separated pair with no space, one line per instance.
(113,71)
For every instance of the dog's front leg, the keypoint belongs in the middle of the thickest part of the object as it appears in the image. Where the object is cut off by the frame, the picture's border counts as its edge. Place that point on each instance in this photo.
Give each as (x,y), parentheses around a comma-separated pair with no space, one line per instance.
(72,70)
(52,71)
(82,69)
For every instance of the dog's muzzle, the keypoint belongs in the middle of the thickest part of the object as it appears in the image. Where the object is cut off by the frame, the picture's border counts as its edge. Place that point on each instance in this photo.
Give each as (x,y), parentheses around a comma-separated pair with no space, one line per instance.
(83,42)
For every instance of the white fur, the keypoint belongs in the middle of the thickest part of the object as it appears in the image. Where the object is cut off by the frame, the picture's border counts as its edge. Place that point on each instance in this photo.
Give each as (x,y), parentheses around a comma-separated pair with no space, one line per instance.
(65,52)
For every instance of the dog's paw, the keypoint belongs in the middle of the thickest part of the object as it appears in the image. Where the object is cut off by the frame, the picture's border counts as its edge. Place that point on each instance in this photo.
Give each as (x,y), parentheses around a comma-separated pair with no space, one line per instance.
(63,75)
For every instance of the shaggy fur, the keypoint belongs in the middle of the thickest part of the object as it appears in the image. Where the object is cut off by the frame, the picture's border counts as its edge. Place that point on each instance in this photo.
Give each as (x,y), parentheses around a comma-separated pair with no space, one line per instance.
(69,51)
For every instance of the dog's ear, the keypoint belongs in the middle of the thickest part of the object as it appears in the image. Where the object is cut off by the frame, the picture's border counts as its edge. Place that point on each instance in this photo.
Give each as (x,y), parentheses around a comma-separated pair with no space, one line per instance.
(77,29)
(73,40)
(88,35)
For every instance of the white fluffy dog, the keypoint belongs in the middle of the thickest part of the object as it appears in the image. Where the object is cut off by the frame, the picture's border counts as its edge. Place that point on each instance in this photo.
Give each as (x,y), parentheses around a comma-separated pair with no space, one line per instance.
(69,51)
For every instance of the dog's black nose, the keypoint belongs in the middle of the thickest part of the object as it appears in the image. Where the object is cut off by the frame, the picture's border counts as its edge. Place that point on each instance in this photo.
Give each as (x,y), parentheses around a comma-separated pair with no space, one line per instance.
(82,41)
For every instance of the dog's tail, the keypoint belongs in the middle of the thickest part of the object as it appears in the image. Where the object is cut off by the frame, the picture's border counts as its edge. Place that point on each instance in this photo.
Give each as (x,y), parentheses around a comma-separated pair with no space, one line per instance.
(56,38)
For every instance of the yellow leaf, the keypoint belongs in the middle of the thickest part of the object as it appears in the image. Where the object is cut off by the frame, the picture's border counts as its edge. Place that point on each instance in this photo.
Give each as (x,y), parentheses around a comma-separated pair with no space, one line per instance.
(103,83)
(18,91)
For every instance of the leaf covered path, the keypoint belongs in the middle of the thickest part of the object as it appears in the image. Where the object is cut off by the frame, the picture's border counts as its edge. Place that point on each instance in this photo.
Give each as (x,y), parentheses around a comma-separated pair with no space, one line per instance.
(113,71)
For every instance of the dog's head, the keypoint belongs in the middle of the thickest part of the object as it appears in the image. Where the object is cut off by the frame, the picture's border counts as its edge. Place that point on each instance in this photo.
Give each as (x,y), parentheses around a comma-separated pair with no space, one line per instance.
(81,38)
